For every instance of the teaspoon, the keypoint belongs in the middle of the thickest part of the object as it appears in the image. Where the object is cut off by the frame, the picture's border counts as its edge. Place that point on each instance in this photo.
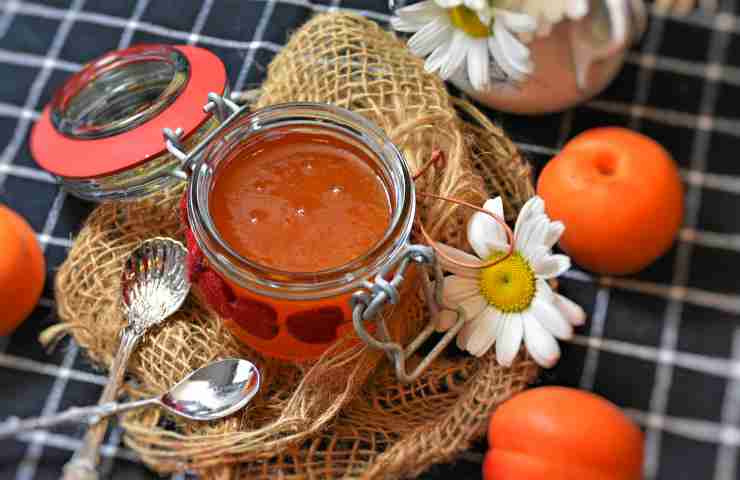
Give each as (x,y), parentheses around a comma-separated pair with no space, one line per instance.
(209,393)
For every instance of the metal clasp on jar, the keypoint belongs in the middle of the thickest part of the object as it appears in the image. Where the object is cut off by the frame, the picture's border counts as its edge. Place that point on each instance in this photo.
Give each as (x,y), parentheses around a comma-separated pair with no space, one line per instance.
(224,110)
(367,305)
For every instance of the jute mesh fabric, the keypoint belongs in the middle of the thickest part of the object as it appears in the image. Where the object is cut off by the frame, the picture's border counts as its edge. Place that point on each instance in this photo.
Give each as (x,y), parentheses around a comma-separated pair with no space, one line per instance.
(344,415)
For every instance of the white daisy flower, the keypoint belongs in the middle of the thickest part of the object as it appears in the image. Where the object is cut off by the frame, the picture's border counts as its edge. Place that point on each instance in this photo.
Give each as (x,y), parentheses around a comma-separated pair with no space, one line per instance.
(452,33)
(550,12)
(511,300)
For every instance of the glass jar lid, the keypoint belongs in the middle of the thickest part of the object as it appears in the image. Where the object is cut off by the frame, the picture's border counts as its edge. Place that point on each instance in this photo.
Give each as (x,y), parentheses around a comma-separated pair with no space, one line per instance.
(108,118)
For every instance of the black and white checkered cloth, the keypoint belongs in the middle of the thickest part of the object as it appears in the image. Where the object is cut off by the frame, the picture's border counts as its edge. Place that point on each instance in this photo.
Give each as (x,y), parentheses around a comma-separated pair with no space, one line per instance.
(664,345)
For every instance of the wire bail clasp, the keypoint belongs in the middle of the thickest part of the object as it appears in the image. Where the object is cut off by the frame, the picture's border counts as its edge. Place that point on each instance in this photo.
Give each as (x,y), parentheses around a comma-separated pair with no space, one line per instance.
(223,109)
(367,305)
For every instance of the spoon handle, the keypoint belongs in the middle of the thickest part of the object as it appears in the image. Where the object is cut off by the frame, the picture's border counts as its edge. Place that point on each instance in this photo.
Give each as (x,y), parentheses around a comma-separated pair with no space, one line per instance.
(90,414)
(83,465)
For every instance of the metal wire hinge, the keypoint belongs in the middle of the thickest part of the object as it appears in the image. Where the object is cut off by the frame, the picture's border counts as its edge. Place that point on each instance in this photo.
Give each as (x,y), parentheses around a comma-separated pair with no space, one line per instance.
(367,305)
(224,111)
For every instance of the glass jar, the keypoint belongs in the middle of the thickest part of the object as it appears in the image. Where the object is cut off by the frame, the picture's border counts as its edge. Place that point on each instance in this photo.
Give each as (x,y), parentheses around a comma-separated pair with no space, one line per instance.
(298,315)
(101,135)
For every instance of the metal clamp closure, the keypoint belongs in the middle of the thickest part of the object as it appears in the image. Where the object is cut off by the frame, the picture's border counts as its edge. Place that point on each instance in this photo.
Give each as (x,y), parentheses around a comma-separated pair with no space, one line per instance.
(367,305)
(225,112)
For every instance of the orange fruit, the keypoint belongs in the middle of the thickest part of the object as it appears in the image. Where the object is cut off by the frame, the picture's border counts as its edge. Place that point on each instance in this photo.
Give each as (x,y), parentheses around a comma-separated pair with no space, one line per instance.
(559,433)
(620,196)
(22,270)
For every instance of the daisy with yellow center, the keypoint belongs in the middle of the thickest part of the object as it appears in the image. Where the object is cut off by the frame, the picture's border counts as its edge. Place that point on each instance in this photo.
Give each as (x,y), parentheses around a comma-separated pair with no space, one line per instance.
(510,301)
(453,34)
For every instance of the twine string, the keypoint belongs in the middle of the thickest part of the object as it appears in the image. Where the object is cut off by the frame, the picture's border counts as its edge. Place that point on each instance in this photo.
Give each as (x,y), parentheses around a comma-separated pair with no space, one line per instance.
(439,159)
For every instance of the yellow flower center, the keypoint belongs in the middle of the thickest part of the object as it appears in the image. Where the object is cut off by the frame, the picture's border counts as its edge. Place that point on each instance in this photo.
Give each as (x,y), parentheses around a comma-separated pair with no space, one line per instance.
(510,285)
(467,20)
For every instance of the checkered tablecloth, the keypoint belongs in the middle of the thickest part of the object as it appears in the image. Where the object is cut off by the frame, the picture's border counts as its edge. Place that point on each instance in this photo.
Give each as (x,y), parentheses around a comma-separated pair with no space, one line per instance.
(663,345)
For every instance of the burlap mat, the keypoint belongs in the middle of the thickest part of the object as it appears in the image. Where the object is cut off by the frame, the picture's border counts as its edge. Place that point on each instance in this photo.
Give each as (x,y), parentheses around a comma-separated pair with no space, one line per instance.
(345,415)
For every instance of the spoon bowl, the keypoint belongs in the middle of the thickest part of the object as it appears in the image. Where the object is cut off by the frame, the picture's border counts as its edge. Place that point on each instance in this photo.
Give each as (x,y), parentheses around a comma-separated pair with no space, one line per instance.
(214,391)
(154,283)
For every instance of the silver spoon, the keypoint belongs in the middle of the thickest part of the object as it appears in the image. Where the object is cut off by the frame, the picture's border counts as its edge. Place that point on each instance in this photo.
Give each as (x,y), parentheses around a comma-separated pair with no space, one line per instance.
(154,284)
(209,393)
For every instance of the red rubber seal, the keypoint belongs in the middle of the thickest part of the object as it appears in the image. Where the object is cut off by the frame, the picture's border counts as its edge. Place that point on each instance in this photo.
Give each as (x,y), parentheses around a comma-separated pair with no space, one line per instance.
(88,158)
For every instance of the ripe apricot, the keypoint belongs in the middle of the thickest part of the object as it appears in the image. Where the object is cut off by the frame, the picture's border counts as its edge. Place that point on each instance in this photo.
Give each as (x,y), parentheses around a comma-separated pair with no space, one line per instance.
(620,196)
(22,270)
(559,433)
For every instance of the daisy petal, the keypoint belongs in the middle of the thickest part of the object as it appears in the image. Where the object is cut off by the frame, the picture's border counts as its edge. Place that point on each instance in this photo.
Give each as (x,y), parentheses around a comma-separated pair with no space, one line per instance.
(473,306)
(460,256)
(552,11)
(485,235)
(542,288)
(475,5)
(572,312)
(554,232)
(434,34)
(534,207)
(551,266)
(512,55)
(484,332)
(422,12)
(437,59)
(403,25)
(458,47)
(455,289)
(577,9)
(531,236)
(540,343)
(517,22)
(509,340)
(478,62)
(538,254)
(448,3)
(552,319)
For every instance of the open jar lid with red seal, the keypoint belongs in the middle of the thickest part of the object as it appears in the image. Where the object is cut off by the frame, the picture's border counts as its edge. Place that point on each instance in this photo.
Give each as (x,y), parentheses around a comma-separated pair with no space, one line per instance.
(101,135)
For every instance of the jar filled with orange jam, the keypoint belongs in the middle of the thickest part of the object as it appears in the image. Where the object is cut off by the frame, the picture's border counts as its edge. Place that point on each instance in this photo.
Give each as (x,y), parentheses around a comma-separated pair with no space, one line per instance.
(295,208)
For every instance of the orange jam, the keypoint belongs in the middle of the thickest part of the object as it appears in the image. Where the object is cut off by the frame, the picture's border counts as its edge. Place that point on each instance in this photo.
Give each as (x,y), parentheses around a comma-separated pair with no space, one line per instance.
(300,201)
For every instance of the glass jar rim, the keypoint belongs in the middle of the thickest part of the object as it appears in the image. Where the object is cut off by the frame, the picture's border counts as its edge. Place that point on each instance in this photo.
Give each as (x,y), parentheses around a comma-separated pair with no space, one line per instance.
(304,285)
(117,62)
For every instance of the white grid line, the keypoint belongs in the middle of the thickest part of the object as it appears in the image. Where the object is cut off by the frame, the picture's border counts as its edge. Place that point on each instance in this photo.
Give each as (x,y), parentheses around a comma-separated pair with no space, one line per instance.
(714,366)
(113,443)
(14,111)
(721,241)
(32,366)
(66,442)
(54,13)
(725,302)
(7,18)
(691,121)
(38,84)
(38,61)
(27,467)
(259,32)
(660,395)
(132,24)
(598,322)
(45,239)
(27,173)
(699,430)
(651,46)
(52,219)
(727,456)
(200,22)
